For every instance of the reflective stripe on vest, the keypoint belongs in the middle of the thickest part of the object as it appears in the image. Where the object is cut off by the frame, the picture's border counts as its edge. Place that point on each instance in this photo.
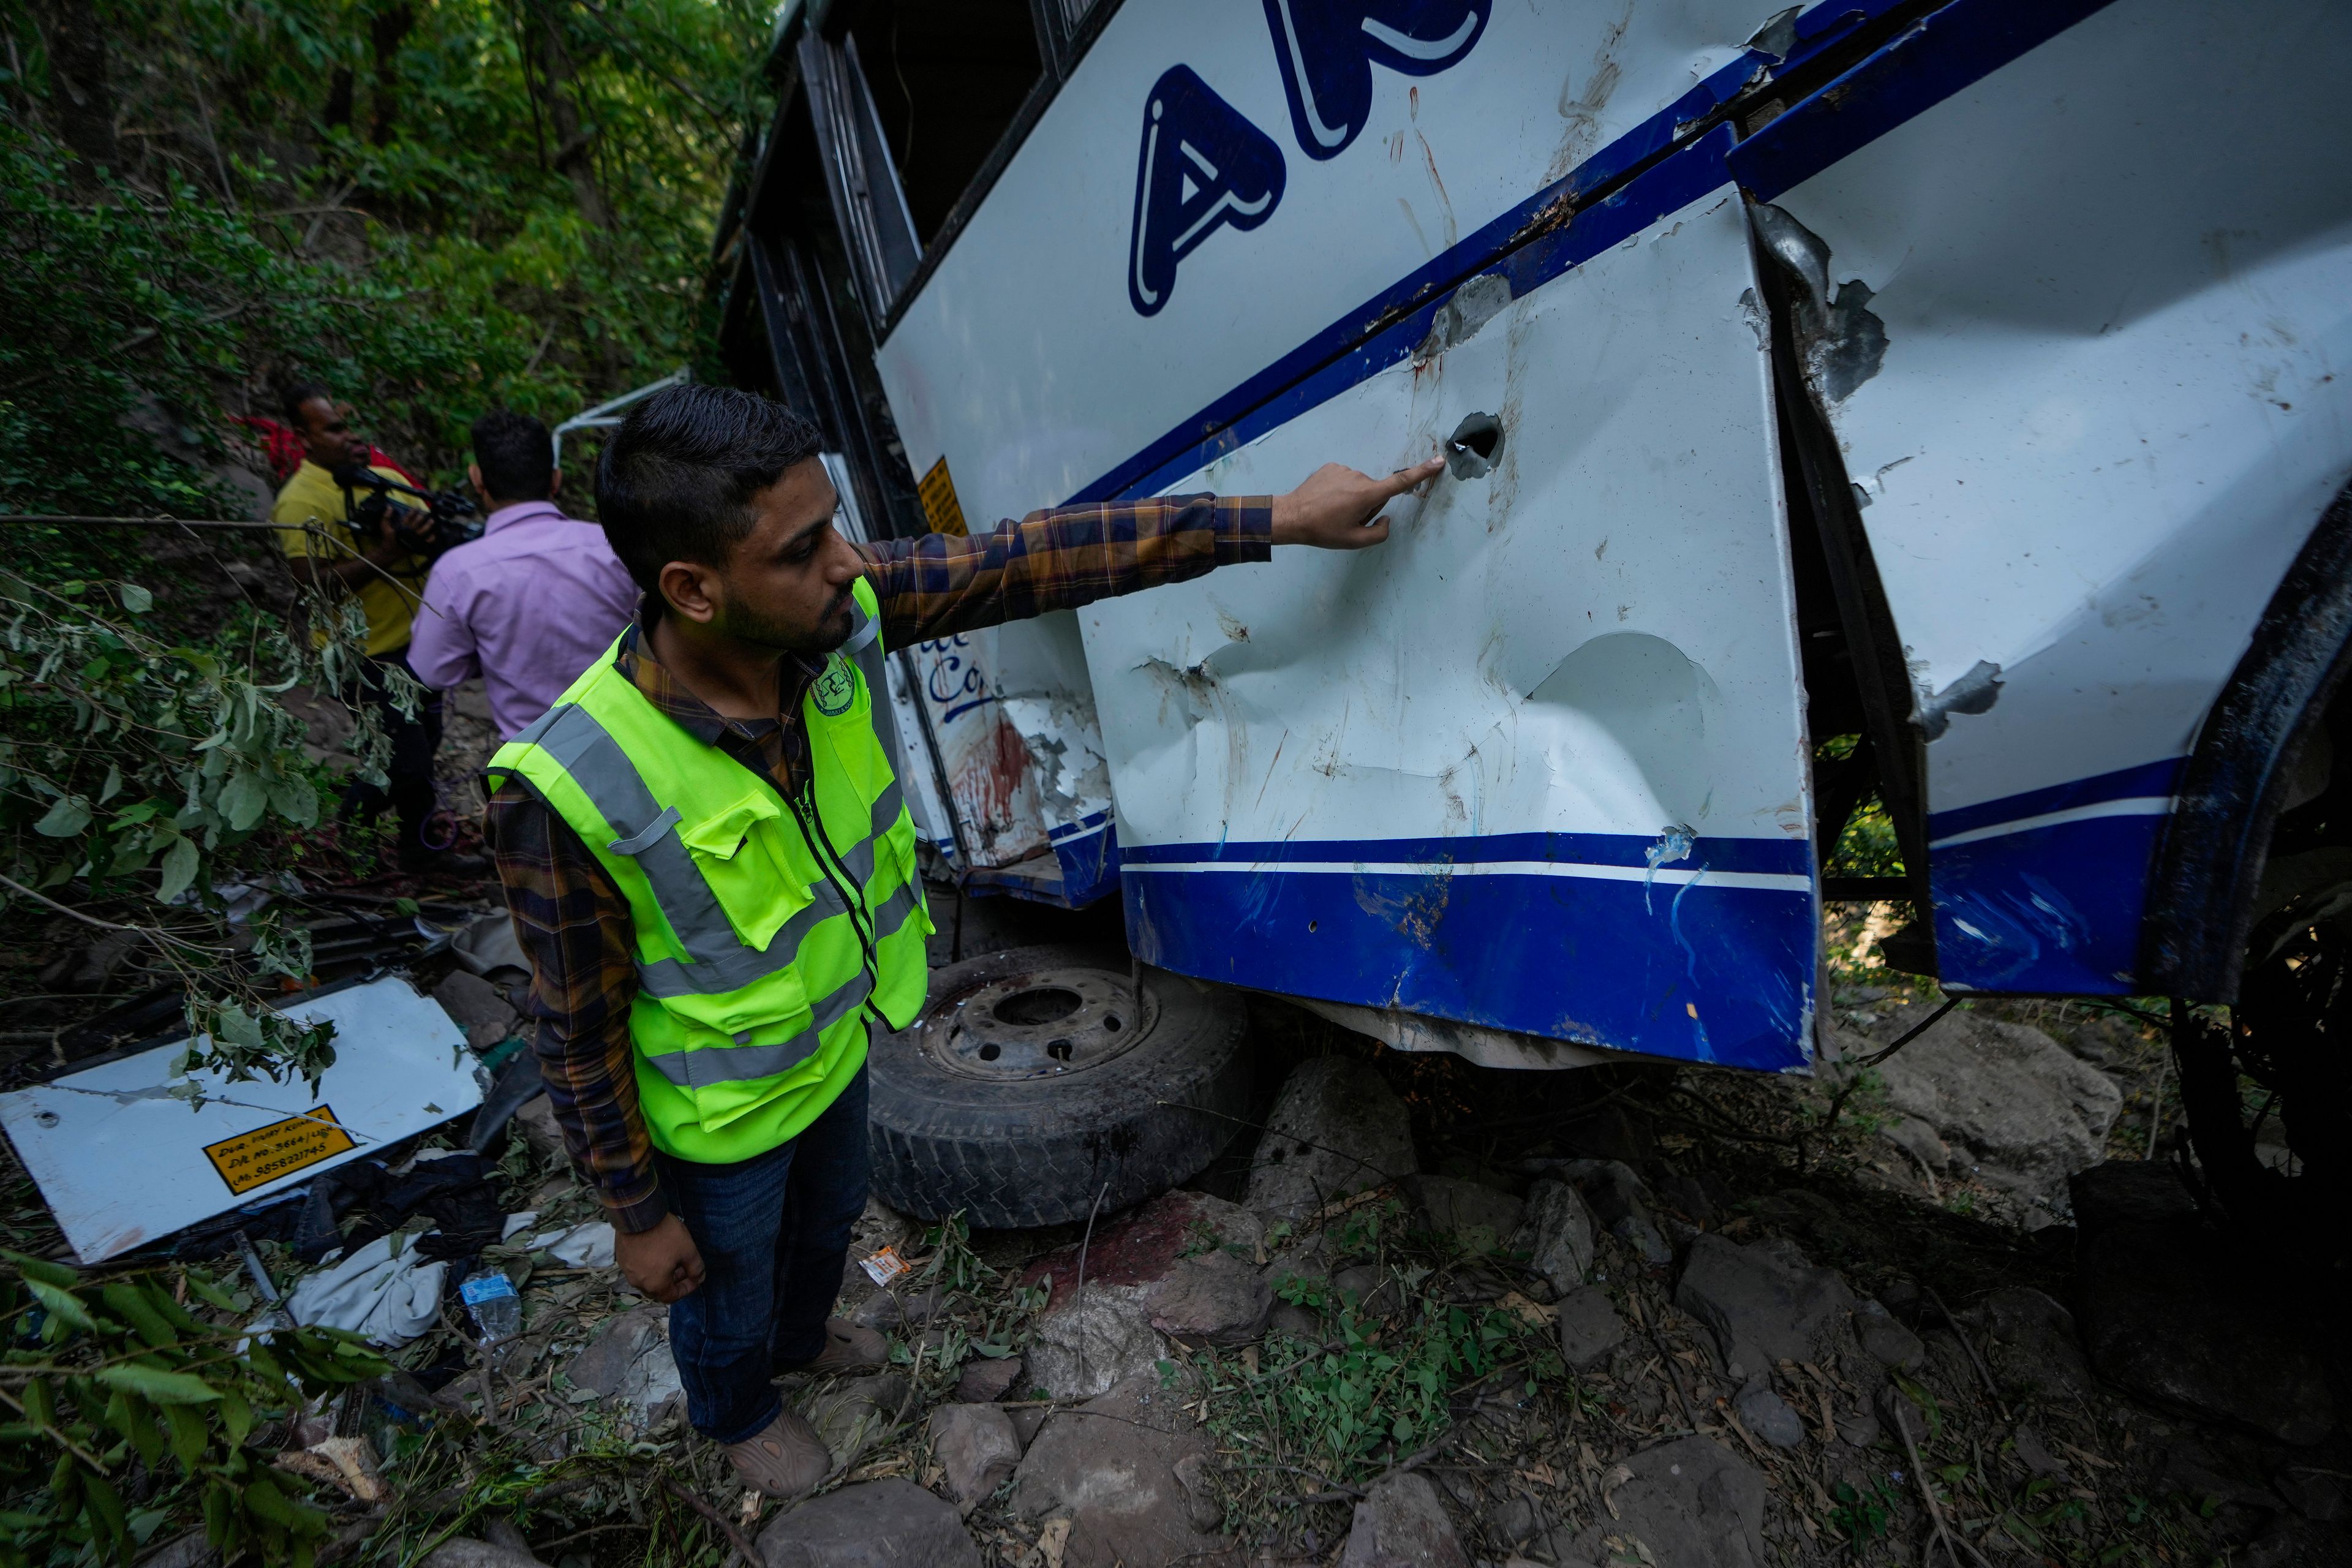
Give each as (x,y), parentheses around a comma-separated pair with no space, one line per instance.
(755,915)
(572,737)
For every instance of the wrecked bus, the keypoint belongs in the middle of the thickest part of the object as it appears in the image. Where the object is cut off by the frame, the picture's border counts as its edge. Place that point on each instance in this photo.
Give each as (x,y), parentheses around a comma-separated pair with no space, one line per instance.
(1960,375)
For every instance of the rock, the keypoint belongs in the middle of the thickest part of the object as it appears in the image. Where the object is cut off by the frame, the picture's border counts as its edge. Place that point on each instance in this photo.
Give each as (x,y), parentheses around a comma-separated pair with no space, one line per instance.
(2315,1494)
(1101,1337)
(2128,1192)
(1557,1234)
(188,1550)
(536,1122)
(1763,1308)
(1400,1524)
(976,1446)
(1478,1217)
(875,1524)
(1298,1322)
(2035,1454)
(470,1000)
(1589,1327)
(1768,1415)
(1887,1341)
(1367,1288)
(1859,1429)
(1148,1241)
(2168,1314)
(1691,1502)
(1620,1205)
(1215,1298)
(2027,1113)
(1336,1128)
(985,1381)
(884,1310)
(1698,1198)
(463,1552)
(1026,1422)
(2029,1341)
(855,1415)
(629,1364)
(1131,1471)
(1899,1412)
(1918,1140)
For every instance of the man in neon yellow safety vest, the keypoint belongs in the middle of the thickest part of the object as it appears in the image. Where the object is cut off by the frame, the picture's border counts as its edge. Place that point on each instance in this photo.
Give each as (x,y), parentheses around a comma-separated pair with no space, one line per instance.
(709,860)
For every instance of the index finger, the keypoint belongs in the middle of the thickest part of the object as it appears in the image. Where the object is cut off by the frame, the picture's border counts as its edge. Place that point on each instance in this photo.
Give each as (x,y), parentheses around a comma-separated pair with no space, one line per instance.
(1404,479)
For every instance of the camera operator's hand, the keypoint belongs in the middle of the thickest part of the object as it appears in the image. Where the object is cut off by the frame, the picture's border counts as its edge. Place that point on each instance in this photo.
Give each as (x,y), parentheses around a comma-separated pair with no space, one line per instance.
(383,546)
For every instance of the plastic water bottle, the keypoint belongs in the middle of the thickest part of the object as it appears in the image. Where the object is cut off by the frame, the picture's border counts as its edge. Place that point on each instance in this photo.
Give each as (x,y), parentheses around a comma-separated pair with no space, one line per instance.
(498,1311)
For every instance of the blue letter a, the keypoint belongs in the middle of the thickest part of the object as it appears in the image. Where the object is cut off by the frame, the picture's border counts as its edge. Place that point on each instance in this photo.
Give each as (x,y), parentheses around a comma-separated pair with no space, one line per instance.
(1327,49)
(1202,166)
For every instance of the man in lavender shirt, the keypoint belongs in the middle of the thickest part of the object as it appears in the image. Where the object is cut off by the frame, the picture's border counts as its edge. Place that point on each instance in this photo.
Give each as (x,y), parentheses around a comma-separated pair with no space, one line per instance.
(531,603)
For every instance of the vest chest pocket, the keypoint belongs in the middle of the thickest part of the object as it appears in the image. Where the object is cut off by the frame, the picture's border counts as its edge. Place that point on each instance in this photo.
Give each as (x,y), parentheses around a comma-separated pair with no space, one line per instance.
(745,853)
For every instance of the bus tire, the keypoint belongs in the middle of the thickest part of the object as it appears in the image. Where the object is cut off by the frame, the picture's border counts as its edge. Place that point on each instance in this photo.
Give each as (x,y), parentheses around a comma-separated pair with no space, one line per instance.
(1038,1085)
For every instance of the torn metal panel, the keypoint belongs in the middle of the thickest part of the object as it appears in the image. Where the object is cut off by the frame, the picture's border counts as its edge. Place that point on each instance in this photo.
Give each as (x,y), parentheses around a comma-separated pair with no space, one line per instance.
(1011,709)
(122,1161)
(2109,407)
(1840,344)
(1534,771)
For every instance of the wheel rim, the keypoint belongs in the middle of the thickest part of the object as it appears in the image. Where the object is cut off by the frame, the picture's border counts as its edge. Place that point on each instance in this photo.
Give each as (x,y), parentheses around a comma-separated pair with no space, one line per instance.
(1051,1022)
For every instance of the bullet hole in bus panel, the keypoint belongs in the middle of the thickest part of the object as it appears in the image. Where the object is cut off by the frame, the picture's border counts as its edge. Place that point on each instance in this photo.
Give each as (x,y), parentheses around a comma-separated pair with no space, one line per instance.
(1471,451)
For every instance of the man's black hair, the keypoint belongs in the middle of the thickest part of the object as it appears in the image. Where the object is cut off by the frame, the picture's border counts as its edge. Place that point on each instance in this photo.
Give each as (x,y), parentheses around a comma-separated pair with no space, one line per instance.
(677,479)
(301,392)
(516,455)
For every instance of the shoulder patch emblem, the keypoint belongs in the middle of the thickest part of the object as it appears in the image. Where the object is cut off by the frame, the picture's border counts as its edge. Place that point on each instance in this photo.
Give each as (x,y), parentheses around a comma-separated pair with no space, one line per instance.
(835,689)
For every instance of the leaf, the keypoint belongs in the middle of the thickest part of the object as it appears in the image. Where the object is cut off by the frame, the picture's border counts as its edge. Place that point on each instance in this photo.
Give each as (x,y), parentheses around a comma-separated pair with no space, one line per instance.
(125,1301)
(209,1291)
(41,1268)
(99,1496)
(180,863)
(190,1435)
(170,1389)
(294,800)
(236,1418)
(69,816)
(112,786)
(243,800)
(136,599)
(62,1305)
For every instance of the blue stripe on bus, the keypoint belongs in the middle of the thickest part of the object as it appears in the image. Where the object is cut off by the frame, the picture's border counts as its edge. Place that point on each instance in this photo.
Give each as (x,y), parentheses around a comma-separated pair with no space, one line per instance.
(2148,779)
(2053,909)
(1777,855)
(1704,973)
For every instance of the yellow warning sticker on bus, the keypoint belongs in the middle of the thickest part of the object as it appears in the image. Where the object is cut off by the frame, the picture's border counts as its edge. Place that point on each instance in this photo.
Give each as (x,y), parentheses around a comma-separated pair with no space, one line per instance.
(253,1159)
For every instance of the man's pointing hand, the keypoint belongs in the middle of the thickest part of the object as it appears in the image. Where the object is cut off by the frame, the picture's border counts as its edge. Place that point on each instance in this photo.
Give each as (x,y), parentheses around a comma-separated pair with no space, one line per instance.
(1334,508)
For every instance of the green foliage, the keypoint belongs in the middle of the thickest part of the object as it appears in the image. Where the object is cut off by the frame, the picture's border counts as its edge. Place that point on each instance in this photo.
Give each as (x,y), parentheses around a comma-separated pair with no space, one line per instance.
(1864,1514)
(145,766)
(1391,1365)
(127,1406)
(377,196)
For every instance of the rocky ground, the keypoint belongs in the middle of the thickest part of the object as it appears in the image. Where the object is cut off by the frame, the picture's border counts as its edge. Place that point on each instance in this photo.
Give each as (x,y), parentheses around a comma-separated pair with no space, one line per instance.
(1426,1313)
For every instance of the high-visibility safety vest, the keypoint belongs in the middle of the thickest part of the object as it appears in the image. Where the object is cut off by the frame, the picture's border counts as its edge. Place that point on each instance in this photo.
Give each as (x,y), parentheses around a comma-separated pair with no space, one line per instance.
(767,931)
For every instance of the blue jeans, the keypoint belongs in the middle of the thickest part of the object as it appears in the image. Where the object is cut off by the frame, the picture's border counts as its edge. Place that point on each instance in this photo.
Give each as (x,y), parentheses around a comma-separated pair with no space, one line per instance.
(774,1231)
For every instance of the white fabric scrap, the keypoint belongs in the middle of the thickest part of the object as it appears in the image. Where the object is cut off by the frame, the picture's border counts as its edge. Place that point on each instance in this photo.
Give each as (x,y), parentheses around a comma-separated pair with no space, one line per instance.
(581,1246)
(383,1292)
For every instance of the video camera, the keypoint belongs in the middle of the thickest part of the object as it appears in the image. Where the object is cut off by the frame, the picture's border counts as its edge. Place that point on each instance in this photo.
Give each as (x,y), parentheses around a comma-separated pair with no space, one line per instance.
(445,520)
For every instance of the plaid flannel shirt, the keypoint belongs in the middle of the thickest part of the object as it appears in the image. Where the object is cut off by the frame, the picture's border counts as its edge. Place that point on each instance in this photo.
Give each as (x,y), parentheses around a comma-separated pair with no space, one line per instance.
(572,919)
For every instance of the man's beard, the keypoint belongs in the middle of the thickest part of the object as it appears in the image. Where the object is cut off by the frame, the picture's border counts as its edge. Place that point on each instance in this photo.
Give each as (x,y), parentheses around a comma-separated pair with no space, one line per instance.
(747,625)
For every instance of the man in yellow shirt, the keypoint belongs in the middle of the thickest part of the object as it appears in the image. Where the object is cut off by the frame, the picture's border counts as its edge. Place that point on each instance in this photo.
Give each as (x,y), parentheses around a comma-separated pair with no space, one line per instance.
(327,550)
